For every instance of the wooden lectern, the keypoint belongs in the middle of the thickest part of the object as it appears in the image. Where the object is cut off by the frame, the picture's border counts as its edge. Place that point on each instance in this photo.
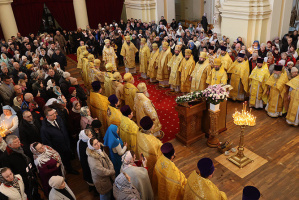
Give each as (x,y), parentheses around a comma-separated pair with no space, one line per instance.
(190,122)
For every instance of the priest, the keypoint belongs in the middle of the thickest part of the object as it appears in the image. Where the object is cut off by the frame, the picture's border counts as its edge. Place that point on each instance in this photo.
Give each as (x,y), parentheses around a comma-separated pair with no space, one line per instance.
(128,52)
(99,105)
(225,58)
(109,55)
(153,64)
(108,79)
(163,72)
(84,61)
(257,82)
(144,107)
(292,117)
(201,179)
(148,144)
(80,51)
(173,65)
(90,65)
(186,68)
(118,88)
(168,181)
(129,90)
(128,129)
(218,74)
(239,78)
(113,112)
(276,90)
(144,56)
(200,73)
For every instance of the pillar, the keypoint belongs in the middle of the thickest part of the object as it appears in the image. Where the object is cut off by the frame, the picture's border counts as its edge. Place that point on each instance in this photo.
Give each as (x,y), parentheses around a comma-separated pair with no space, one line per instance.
(144,10)
(80,13)
(7,19)
(247,19)
(170,10)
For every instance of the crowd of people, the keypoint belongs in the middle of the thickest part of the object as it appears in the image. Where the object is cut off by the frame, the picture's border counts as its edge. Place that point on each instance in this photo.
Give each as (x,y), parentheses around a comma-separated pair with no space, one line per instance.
(48,118)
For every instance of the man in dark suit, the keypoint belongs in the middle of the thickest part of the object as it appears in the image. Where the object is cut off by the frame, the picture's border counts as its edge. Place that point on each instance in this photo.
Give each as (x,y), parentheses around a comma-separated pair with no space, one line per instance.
(55,135)
(6,90)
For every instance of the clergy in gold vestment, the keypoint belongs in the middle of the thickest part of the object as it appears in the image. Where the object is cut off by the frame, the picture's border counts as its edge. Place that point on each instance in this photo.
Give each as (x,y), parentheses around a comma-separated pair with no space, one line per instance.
(109,55)
(239,78)
(144,107)
(99,105)
(173,64)
(186,68)
(153,63)
(128,51)
(84,66)
(129,90)
(163,72)
(226,60)
(148,144)
(89,76)
(128,129)
(144,56)
(199,186)
(80,51)
(113,113)
(293,111)
(168,181)
(97,74)
(218,74)
(276,91)
(108,79)
(257,83)
(200,73)
(118,88)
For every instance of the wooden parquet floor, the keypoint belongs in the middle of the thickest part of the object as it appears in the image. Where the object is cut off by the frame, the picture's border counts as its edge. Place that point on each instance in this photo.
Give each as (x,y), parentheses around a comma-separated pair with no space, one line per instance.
(271,139)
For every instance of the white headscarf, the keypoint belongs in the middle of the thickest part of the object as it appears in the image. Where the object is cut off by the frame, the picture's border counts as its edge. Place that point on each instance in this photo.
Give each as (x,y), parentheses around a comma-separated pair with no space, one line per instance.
(49,84)
(84,138)
(99,151)
(126,160)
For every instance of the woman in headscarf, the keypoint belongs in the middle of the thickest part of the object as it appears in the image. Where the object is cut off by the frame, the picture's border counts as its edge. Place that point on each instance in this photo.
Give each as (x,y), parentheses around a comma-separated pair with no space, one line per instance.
(60,190)
(86,118)
(101,168)
(48,163)
(74,118)
(139,175)
(84,136)
(116,147)
(6,60)
(57,91)
(123,188)
(17,103)
(3,146)
(12,186)
(10,121)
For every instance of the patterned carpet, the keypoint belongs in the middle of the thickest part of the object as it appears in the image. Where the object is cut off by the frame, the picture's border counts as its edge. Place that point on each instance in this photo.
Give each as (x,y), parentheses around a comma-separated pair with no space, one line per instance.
(163,101)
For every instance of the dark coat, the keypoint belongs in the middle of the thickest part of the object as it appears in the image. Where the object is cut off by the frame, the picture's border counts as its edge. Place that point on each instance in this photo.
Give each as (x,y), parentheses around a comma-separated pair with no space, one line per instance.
(84,162)
(64,87)
(61,59)
(29,134)
(57,138)
(17,163)
(81,94)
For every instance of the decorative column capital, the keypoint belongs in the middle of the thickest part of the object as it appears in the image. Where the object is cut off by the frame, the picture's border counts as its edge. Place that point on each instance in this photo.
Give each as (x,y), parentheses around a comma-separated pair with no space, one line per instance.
(140,5)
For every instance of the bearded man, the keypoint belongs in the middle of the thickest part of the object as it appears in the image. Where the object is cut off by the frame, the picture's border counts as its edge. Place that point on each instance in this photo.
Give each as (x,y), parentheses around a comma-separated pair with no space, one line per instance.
(218,74)
(257,82)
(144,56)
(173,65)
(225,58)
(200,73)
(292,117)
(109,55)
(128,52)
(163,72)
(186,68)
(276,90)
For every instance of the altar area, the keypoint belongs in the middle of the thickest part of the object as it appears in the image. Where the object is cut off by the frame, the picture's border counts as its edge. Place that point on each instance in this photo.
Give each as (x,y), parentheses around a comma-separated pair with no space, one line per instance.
(271,139)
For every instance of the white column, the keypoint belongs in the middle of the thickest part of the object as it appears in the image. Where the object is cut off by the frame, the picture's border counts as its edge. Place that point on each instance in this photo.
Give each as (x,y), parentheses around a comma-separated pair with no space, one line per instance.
(247,18)
(7,19)
(144,10)
(81,13)
(170,10)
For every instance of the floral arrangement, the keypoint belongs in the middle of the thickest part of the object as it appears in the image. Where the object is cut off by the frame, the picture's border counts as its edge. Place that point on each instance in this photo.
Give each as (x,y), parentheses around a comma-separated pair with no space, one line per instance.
(215,94)
(193,96)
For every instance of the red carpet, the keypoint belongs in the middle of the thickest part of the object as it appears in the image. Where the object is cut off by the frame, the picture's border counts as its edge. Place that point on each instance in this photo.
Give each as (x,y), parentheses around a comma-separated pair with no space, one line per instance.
(164,105)
(73,57)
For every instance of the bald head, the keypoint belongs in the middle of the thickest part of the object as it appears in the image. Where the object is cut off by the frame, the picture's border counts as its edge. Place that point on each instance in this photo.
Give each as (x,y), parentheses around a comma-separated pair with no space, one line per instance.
(28,97)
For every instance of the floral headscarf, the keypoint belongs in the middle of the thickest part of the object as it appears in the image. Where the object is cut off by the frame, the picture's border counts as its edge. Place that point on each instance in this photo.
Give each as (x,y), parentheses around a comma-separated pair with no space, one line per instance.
(13,183)
(123,189)
(127,160)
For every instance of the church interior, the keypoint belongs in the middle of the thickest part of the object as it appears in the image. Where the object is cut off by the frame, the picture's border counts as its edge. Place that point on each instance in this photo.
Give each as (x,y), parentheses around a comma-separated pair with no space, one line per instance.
(181,87)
